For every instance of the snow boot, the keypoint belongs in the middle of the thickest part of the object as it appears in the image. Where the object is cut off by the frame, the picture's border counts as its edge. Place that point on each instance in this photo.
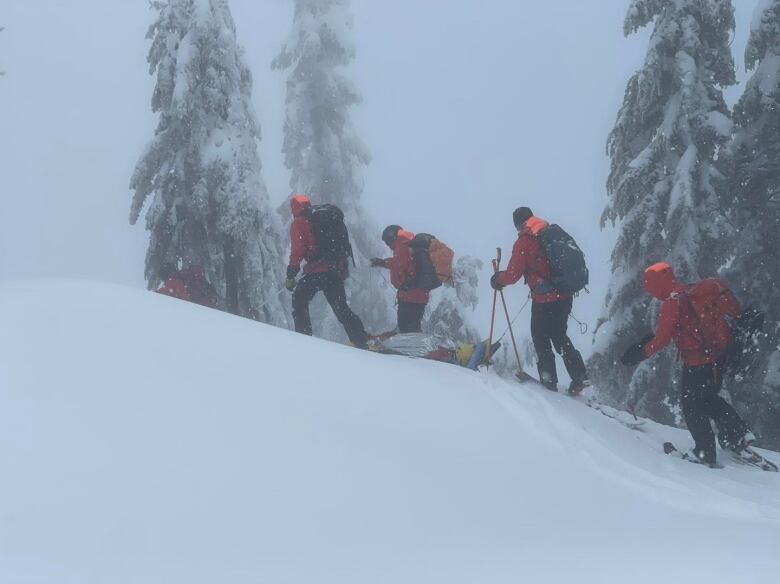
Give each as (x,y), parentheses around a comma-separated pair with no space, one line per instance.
(547,382)
(578,386)
(698,455)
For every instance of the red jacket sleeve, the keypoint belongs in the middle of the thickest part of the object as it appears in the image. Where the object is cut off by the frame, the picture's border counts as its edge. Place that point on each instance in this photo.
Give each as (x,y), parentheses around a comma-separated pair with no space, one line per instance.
(517,264)
(667,326)
(301,241)
(401,266)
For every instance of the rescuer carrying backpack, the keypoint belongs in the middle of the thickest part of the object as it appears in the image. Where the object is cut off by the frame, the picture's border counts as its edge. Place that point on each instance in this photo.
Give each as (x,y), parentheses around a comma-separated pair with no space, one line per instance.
(554,269)
(420,263)
(319,237)
(699,318)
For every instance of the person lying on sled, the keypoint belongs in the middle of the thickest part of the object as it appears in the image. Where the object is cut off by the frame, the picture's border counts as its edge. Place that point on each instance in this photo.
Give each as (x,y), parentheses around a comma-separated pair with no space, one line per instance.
(434,348)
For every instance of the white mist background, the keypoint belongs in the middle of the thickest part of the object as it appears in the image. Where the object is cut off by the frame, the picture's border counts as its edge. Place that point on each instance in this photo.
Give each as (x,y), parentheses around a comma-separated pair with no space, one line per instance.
(471,109)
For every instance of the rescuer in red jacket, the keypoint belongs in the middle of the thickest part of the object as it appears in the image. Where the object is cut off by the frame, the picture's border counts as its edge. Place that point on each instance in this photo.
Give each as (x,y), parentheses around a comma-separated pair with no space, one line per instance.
(702,347)
(318,276)
(550,311)
(188,284)
(411,299)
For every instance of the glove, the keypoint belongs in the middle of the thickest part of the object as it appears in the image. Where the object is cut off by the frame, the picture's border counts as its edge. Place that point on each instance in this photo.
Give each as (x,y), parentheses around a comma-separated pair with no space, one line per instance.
(292,271)
(377,263)
(634,355)
(290,284)
(494,282)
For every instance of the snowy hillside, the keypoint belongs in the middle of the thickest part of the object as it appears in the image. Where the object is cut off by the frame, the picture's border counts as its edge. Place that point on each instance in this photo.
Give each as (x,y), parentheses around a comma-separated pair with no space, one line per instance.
(144,440)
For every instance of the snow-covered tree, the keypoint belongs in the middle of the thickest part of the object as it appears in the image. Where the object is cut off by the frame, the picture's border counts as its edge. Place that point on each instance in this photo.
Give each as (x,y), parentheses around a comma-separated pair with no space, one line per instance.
(325,156)
(209,205)
(754,205)
(664,185)
(448,316)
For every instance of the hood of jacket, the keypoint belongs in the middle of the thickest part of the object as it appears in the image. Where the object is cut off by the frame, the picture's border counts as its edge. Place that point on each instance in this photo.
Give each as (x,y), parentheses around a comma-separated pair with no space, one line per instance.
(660,281)
(299,205)
(403,237)
(535,225)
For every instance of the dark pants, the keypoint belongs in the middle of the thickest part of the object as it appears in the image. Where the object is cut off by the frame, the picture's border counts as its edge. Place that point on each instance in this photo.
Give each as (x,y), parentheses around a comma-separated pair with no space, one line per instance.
(330,284)
(549,321)
(701,403)
(410,315)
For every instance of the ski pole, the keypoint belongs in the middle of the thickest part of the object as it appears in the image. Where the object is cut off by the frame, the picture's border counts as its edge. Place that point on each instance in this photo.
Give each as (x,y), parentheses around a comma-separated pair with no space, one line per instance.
(511,332)
(496,263)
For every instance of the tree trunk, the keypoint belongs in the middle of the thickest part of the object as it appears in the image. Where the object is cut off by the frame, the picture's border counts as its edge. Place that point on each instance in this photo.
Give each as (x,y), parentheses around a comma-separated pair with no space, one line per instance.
(231,276)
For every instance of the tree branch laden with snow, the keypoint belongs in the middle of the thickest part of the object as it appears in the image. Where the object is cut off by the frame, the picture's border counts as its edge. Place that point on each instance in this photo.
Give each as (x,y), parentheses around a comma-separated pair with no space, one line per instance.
(200,176)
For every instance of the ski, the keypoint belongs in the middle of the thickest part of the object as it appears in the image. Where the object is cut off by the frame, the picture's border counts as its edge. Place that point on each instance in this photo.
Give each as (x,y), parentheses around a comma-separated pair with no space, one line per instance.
(624,418)
(524,377)
(749,457)
(671,450)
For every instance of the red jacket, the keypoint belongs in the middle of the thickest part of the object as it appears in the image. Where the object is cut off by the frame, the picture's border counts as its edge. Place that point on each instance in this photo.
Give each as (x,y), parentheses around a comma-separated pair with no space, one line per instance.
(198,287)
(174,287)
(190,284)
(529,261)
(303,246)
(674,323)
(403,270)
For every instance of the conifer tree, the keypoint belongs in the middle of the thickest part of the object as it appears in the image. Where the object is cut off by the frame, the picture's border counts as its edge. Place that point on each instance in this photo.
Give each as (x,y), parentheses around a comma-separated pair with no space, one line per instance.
(664,185)
(754,209)
(451,306)
(2,28)
(325,156)
(209,205)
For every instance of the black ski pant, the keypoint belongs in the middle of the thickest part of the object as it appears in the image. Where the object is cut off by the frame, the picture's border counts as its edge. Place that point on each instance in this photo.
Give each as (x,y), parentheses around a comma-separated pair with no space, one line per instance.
(410,315)
(549,323)
(332,285)
(701,403)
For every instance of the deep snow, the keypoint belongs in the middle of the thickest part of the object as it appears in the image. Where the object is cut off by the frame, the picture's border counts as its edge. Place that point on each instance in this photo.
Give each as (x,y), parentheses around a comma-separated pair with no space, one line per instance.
(147,440)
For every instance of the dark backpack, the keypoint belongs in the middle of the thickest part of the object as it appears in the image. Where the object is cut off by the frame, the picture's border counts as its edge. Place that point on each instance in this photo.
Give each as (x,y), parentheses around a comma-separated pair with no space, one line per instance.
(432,262)
(567,262)
(331,236)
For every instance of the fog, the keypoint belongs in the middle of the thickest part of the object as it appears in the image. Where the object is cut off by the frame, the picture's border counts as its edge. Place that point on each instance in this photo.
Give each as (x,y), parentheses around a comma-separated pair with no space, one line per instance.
(471,109)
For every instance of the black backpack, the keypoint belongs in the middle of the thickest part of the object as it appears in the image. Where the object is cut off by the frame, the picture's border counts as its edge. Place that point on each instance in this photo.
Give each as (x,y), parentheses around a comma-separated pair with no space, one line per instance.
(331,236)
(432,262)
(425,272)
(569,271)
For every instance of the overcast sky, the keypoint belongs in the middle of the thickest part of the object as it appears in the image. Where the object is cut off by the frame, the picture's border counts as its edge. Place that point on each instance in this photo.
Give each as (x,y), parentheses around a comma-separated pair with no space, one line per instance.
(472,108)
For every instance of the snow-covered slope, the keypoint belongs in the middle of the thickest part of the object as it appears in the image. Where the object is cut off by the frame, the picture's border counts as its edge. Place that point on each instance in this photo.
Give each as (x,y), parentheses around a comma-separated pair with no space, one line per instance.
(146,440)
